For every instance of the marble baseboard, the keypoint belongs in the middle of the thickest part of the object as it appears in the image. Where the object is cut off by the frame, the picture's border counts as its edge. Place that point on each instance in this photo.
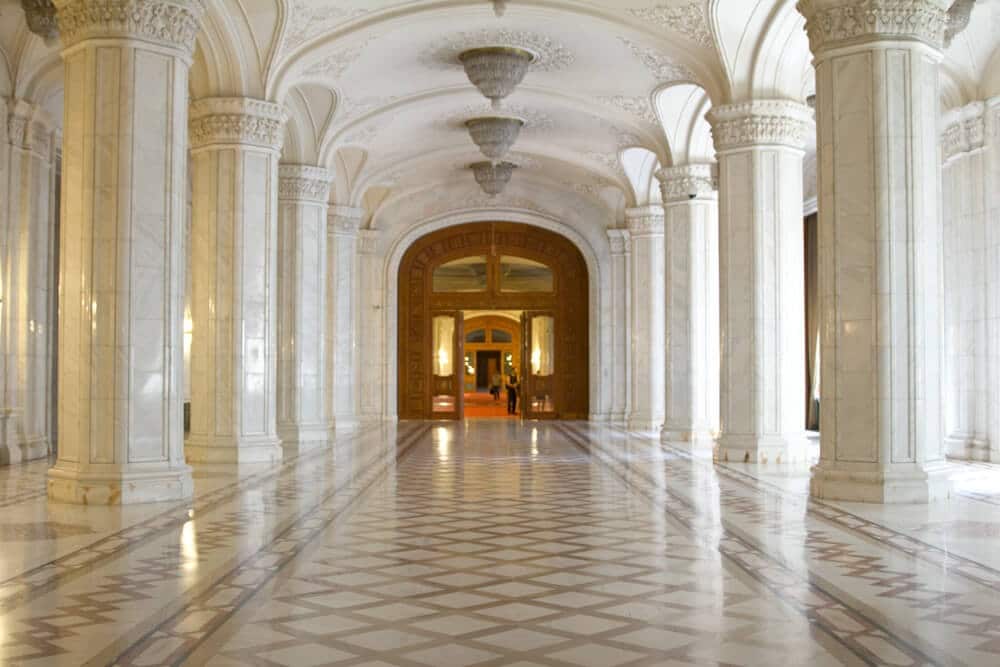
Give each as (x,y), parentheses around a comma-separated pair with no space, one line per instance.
(789,448)
(915,484)
(167,483)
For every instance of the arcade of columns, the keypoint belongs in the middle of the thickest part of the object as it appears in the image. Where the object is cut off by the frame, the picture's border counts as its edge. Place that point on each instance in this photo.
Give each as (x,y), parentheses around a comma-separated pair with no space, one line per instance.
(908,272)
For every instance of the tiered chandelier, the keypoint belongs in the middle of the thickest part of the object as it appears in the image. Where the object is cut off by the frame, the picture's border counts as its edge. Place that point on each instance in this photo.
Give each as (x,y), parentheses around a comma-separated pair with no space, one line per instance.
(496,71)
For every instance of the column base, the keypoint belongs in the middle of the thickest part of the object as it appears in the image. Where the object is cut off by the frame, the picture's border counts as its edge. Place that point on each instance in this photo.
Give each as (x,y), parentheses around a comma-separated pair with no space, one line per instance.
(12,451)
(693,439)
(967,448)
(346,423)
(304,437)
(200,449)
(916,484)
(644,423)
(763,449)
(95,487)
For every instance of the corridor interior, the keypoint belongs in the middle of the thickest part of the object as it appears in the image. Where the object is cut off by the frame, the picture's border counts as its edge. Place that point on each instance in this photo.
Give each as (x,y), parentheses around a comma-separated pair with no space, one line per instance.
(498,543)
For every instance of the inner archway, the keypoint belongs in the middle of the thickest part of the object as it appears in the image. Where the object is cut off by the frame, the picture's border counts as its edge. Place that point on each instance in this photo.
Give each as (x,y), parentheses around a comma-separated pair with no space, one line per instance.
(532,275)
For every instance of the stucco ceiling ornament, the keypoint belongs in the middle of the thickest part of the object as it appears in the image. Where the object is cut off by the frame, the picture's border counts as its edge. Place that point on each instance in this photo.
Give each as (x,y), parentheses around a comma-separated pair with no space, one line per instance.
(40,16)
(662,67)
(494,134)
(493,178)
(496,70)
(550,55)
(310,19)
(638,107)
(687,19)
(334,66)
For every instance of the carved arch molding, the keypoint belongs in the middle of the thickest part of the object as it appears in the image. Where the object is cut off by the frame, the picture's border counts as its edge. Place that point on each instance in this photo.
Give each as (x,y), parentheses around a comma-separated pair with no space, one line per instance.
(568,302)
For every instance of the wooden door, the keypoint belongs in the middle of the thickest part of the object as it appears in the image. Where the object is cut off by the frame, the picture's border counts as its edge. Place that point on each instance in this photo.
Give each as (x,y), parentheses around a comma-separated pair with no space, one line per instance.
(447,362)
(539,373)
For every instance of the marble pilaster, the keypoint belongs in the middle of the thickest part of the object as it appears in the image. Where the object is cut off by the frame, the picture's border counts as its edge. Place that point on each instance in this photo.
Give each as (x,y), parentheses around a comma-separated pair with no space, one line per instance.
(761,279)
(371,353)
(877,99)
(991,168)
(691,241)
(234,161)
(965,202)
(619,370)
(303,417)
(121,291)
(342,317)
(645,227)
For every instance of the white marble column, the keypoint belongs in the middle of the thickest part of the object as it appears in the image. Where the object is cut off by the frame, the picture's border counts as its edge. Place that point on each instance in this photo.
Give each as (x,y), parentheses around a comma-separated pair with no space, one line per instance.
(877,102)
(761,279)
(121,243)
(234,161)
(691,240)
(370,353)
(965,201)
(645,227)
(29,277)
(991,168)
(342,318)
(303,418)
(619,370)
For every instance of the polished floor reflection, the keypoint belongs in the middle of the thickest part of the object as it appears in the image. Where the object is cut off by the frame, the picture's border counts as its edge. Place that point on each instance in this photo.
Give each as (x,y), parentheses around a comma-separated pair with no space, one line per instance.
(500,543)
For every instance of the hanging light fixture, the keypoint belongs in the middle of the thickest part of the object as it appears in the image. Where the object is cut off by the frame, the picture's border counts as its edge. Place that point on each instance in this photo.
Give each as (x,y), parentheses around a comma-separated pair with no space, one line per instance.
(493,178)
(496,70)
(494,134)
(499,7)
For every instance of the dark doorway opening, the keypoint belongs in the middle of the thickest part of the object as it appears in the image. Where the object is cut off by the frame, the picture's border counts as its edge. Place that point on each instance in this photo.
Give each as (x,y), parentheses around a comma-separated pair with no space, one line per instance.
(487,365)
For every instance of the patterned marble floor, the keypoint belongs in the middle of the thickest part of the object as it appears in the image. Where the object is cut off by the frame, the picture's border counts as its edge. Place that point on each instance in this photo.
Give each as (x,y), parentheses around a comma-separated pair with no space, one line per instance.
(500,543)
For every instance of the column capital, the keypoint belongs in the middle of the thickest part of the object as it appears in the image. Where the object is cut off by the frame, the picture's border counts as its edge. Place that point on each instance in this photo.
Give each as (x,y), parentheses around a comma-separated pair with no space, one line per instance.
(964,130)
(168,23)
(833,24)
(644,220)
(368,241)
(344,219)
(241,121)
(688,181)
(303,183)
(620,242)
(760,122)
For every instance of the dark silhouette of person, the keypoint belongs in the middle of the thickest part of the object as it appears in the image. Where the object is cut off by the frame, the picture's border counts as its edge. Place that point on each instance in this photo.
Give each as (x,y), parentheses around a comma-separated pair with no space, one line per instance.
(513,385)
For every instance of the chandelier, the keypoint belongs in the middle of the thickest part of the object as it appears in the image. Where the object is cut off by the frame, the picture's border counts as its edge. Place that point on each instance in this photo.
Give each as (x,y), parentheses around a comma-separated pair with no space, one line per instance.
(494,134)
(496,70)
(499,7)
(492,178)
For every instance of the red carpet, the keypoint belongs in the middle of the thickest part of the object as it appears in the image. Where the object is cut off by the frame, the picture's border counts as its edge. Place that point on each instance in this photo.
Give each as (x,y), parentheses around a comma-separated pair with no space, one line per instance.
(483,405)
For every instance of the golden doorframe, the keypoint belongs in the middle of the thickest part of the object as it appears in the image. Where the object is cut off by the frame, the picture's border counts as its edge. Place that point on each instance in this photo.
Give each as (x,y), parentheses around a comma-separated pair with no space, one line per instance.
(568,301)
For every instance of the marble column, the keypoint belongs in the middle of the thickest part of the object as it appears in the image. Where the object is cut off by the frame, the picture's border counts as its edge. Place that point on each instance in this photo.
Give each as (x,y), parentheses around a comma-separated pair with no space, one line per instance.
(342,316)
(645,227)
(761,279)
(303,417)
(619,370)
(991,179)
(29,276)
(121,290)
(370,351)
(877,102)
(965,202)
(691,240)
(234,160)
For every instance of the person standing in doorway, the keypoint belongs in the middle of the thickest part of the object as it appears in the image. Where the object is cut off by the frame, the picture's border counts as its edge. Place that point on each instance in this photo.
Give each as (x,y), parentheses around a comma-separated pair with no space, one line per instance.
(495,385)
(513,386)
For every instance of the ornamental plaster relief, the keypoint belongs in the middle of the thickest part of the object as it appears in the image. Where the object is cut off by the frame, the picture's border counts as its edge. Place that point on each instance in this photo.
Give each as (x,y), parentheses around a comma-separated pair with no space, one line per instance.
(236,120)
(638,107)
(663,68)
(862,20)
(299,182)
(694,181)
(760,122)
(688,20)
(334,66)
(550,54)
(170,23)
(965,130)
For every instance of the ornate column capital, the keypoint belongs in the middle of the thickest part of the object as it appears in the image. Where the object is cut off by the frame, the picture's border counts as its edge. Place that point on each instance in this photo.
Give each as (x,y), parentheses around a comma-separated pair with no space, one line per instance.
(760,122)
(644,220)
(620,242)
(688,181)
(303,183)
(167,23)
(344,219)
(240,121)
(368,241)
(965,130)
(836,23)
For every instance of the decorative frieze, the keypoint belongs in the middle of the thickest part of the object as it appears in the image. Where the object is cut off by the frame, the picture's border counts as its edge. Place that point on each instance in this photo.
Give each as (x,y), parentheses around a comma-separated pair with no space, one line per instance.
(767,122)
(644,220)
(301,182)
(344,219)
(236,120)
(690,181)
(170,23)
(856,21)
(965,130)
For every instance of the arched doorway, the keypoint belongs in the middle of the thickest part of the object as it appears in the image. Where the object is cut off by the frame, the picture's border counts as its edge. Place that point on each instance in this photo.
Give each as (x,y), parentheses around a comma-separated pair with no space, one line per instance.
(531,274)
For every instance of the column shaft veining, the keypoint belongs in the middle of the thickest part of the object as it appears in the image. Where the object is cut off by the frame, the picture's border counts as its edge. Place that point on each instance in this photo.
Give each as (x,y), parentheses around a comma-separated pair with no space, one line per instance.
(645,227)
